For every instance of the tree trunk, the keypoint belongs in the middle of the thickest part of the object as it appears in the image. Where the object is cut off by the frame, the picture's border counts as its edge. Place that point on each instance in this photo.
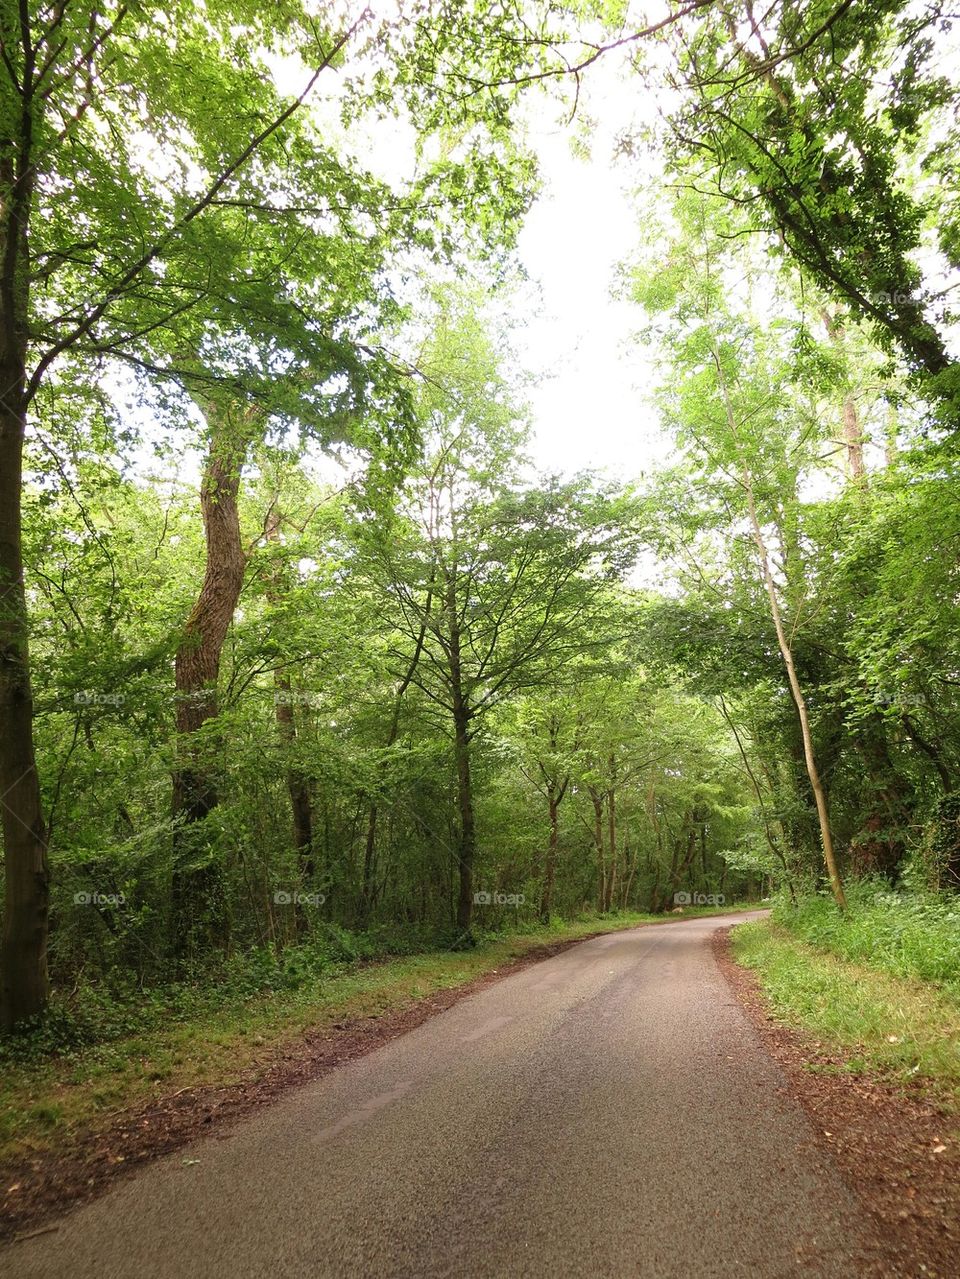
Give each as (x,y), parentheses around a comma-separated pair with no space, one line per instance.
(368,892)
(23,958)
(852,433)
(461,725)
(630,862)
(298,789)
(853,440)
(24,985)
(468,835)
(674,873)
(199,906)
(823,815)
(772,842)
(932,753)
(611,876)
(297,785)
(550,861)
(597,799)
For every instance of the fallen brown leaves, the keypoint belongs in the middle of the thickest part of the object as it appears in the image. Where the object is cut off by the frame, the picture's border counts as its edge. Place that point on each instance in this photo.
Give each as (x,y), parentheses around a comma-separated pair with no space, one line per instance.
(899,1153)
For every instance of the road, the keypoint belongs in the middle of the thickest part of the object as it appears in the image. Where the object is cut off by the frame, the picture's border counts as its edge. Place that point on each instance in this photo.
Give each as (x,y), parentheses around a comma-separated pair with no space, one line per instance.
(609,1111)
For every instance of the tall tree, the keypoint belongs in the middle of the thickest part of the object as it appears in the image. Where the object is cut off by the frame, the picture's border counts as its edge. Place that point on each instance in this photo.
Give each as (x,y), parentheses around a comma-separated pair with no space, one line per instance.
(817,122)
(739,400)
(105,232)
(493,581)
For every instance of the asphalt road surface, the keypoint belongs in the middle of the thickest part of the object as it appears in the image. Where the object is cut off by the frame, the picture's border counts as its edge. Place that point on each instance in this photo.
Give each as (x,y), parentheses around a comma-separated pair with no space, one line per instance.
(609,1111)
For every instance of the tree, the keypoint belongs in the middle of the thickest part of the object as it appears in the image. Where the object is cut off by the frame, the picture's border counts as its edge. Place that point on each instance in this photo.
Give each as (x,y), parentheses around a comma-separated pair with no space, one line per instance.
(105,247)
(493,583)
(816,121)
(738,395)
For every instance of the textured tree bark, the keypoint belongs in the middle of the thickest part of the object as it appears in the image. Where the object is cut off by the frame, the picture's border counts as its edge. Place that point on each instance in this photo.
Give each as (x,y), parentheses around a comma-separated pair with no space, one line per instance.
(199,905)
(24,985)
(297,785)
(461,723)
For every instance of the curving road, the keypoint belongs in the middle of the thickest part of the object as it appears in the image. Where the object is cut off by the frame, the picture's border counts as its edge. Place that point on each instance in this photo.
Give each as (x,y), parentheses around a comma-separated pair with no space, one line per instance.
(607,1112)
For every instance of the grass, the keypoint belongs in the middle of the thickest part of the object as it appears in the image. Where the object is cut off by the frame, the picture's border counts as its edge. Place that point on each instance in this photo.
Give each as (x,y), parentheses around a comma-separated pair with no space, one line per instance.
(912,935)
(899,1027)
(88,1063)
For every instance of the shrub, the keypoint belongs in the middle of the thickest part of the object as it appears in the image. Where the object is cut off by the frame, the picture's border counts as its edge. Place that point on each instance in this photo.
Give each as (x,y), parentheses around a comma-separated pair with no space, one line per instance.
(908,934)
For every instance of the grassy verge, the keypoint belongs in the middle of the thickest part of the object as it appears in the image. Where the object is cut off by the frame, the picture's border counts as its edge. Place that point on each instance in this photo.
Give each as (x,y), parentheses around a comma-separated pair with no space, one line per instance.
(907,934)
(902,1029)
(180,1039)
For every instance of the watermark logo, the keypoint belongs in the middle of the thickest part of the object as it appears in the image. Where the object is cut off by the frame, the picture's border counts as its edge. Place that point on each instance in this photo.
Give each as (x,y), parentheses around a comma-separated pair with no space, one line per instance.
(887,697)
(498,899)
(289,697)
(282,898)
(99,899)
(899,297)
(97,697)
(698,899)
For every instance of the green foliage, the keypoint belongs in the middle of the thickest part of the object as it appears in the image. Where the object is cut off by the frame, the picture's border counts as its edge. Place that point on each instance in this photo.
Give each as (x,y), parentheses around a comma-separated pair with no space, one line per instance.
(821,126)
(211,258)
(907,934)
(896,1027)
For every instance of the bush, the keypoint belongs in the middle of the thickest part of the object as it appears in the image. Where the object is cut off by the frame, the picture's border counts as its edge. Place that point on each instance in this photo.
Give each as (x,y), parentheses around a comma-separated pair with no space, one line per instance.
(908,934)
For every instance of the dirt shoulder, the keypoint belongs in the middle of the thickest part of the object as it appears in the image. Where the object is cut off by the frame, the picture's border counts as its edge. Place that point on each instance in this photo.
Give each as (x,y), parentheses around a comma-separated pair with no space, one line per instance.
(899,1153)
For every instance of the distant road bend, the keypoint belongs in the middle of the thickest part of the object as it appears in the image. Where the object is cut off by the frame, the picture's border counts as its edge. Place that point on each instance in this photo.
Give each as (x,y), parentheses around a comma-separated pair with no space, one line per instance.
(609,1111)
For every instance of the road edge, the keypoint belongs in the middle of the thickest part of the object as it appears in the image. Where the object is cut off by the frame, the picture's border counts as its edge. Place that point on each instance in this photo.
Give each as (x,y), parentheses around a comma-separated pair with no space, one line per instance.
(879,1139)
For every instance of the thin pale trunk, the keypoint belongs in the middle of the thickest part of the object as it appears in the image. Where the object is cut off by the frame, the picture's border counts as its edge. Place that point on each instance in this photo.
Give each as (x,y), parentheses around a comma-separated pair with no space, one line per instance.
(890,436)
(852,433)
(823,815)
(853,440)
(816,785)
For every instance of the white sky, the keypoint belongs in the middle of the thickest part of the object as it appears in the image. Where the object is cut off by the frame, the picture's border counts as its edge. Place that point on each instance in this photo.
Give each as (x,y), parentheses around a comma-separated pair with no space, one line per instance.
(588,402)
(590,410)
